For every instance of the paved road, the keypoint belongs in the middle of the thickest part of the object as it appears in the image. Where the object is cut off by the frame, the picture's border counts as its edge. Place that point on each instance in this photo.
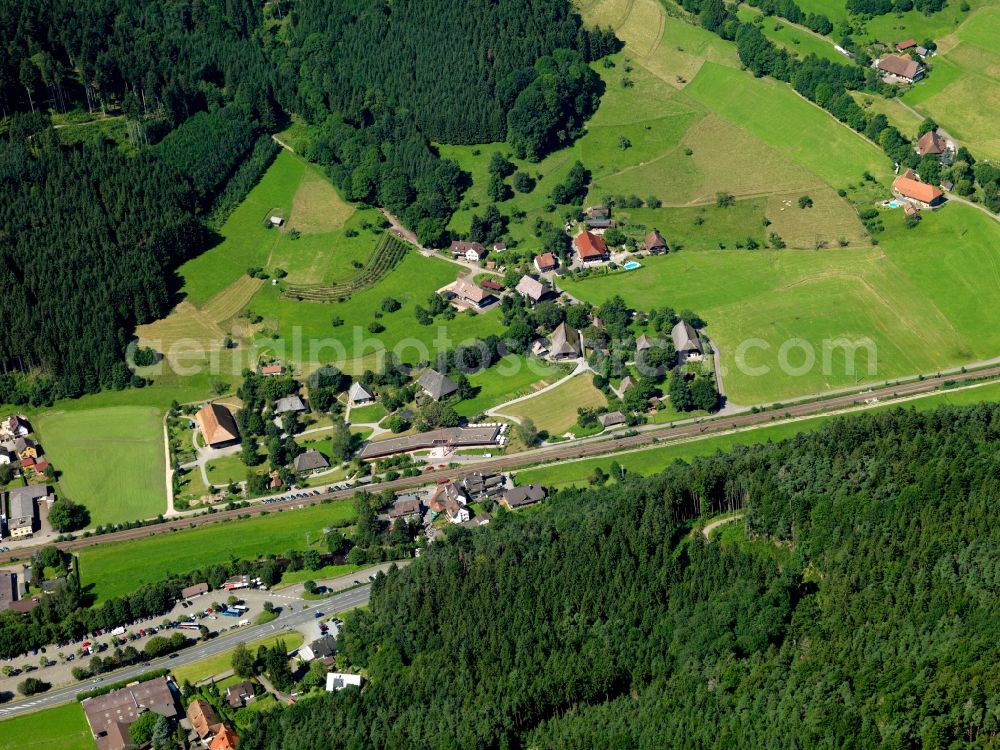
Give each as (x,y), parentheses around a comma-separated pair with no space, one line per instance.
(652,434)
(285,622)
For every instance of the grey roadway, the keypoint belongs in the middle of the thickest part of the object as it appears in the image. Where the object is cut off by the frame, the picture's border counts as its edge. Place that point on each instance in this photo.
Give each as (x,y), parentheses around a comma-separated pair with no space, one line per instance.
(286,621)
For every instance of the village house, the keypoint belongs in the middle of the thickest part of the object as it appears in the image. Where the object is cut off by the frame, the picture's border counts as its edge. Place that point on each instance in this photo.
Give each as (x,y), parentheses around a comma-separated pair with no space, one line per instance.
(919,193)
(436,385)
(406,508)
(540,347)
(470,251)
(203,718)
(194,590)
(518,497)
(590,248)
(546,262)
(322,648)
(643,343)
(471,294)
(654,243)
(598,226)
(26,448)
(611,419)
(240,694)
(531,289)
(565,343)
(359,394)
(14,426)
(227,739)
(310,461)
(900,68)
(272,371)
(625,384)
(22,509)
(499,247)
(217,426)
(478,485)
(686,342)
(110,715)
(8,589)
(336,681)
(289,404)
(6,455)
(931,143)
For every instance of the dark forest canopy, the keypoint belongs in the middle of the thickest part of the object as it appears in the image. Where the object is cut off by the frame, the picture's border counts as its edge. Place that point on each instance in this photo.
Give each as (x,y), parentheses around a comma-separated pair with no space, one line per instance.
(175,57)
(88,240)
(862,614)
(383,82)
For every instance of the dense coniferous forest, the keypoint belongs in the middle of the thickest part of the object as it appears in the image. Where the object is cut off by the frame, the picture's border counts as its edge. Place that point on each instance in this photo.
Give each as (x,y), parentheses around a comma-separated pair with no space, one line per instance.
(857,608)
(88,240)
(402,76)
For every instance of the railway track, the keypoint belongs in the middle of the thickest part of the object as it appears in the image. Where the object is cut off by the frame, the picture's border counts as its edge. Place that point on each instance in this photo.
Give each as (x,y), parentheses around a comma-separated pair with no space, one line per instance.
(663,435)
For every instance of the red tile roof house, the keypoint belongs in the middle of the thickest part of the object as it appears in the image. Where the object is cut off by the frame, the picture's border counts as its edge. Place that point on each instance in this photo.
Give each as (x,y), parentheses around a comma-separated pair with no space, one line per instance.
(590,248)
(924,195)
(901,46)
(931,143)
(546,262)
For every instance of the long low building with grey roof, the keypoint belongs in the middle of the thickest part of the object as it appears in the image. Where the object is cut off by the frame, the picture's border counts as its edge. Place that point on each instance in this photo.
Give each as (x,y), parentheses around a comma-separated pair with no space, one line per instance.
(446,437)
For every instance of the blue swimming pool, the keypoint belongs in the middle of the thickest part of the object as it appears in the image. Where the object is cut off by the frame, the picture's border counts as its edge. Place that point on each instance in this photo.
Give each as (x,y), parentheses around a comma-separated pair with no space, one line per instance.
(632,265)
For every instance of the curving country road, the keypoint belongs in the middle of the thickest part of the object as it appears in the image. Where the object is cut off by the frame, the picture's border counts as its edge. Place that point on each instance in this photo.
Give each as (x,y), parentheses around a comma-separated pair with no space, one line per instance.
(285,621)
(650,435)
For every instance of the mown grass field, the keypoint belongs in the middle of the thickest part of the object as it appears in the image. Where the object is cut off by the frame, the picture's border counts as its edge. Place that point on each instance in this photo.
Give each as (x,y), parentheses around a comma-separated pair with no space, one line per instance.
(245,239)
(512,377)
(110,459)
(122,567)
(213,665)
(652,460)
(962,91)
(64,727)
(555,410)
(306,333)
(901,296)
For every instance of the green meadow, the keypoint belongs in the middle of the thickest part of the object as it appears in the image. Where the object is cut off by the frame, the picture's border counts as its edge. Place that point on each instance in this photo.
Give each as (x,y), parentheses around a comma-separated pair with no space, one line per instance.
(122,567)
(110,459)
(555,411)
(900,295)
(64,727)
(962,91)
(512,377)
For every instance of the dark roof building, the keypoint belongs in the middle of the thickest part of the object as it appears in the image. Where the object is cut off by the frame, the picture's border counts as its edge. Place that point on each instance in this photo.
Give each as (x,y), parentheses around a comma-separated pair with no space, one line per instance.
(108,714)
(289,404)
(655,243)
(195,590)
(8,589)
(611,419)
(436,385)
(321,648)
(311,460)
(565,342)
(901,66)
(360,394)
(446,437)
(240,694)
(521,496)
(686,339)
(406,507)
